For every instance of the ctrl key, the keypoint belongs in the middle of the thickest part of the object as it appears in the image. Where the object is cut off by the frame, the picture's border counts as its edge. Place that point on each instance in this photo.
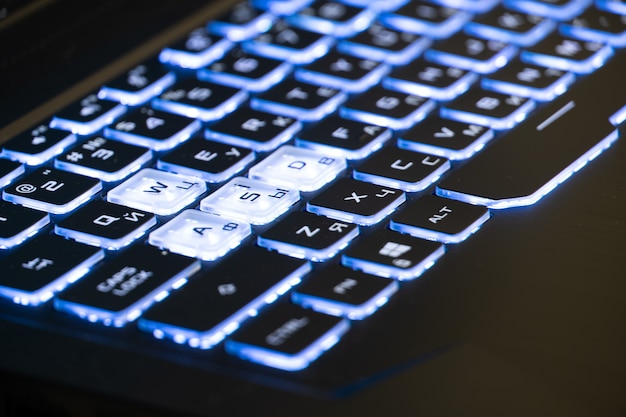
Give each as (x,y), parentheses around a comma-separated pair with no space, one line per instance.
(287,337)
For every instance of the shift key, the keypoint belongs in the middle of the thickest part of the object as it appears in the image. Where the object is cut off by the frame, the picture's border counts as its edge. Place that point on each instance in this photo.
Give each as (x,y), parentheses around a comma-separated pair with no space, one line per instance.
(556,141)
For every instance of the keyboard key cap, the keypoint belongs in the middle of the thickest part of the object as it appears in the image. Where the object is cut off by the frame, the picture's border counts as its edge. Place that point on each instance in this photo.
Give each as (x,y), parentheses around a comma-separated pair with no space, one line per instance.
(240,69)
(38,145)
(120,290)
(344,138)
(157,192)
(356,201)
(308,236)
(488,108)
(286,337)
(343,292)
(243,21)
(567,54)
(153,129)
(223,297)
(426,19)
(106,225)
(249,201)
(386,45)
(511,27)
(200,235)
(197,50)
(211,161)
(552,9)
(472,53)
(281,7)
(18,223)
(384,107)
(289,43)
(254,129)
(393,255)
(528,80)
(403,169)
(298,168)
(139,84)
(446,138)
(199,99)
(597,26)
(52,190)
(344,72)
(428,79)
(333,18)
(9,171)
(102,158)
(303,101)
(43,266)
(88,115)
(436,218)
(550,142)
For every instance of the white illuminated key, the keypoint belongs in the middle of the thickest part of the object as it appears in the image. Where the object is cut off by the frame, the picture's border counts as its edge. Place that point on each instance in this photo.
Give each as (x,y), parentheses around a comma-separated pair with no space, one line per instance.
(298,168)
(250,201)
(158,192)
(200,235)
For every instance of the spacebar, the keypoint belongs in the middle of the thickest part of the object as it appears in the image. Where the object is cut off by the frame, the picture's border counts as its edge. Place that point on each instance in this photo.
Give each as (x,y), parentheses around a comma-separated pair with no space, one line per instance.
(527,163)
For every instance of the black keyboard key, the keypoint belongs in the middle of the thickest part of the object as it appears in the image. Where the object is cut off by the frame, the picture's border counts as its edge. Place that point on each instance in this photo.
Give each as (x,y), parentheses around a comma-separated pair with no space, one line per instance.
(107,225)
(393,255)
(199,99)
(88,115)
(38,145)
(447,138)
(552,9)
(300,100)
(120,290)
(568,54)
(348,138)
(388,108)
(254,129)
(211,161)
(308,236)
(488,108)
(52,190)
(242,21)
(153,129)
(240,69)
(472,53)
(289,43)
(426,19)
(407,170)
(197,50)
(528,80)
(139,84)
(550,146)
(106,159)
(342,71)
(287,337)
(511,27)
(9,171)
(343,292)
(356,201)
(597,26)
(43,266)
(384,44)
(18,223)
(428,79)
(223,297)
(333,18)
(436,218)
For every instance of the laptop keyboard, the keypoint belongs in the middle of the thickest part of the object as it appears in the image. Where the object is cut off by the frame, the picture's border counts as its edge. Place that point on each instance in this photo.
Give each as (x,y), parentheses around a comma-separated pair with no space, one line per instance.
(275,175)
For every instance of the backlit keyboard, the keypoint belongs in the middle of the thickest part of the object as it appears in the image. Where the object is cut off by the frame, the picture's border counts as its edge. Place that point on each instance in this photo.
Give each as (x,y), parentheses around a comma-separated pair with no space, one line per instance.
(275,175)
